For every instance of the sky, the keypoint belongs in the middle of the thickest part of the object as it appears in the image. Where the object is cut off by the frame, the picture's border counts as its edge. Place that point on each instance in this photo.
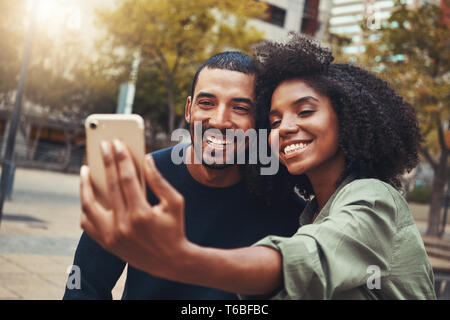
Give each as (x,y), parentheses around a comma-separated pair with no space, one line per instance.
(55,17)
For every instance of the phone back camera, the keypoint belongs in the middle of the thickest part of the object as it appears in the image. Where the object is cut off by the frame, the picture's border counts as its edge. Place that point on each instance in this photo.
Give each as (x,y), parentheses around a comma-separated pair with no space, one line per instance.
(93,125)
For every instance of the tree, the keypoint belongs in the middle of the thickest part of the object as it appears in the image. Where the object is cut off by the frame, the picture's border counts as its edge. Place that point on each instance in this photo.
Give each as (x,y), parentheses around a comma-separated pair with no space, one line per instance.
(173,36)
(337,44)
(65,81)
(67,78)
(11,45)
(412,53)
(65,84)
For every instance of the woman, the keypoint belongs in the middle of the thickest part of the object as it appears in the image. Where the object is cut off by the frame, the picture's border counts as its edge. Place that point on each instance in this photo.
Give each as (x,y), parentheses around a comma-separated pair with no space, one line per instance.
(344,137)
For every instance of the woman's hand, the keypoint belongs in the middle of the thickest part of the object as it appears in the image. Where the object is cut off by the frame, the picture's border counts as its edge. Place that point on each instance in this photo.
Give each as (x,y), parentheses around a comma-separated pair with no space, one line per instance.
(151,238)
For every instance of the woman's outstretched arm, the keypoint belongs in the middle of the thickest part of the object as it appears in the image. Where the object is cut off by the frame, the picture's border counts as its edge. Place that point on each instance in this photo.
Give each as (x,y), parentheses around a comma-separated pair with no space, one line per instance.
(249,271)
(152,238)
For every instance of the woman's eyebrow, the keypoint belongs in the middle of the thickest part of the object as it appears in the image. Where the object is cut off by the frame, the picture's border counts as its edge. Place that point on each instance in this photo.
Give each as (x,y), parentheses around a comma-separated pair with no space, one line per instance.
(272,112)
(305,99)
(298,101)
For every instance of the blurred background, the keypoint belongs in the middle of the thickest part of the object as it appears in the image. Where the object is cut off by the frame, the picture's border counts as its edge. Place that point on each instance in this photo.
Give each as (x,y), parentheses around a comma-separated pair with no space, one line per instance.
(61,60)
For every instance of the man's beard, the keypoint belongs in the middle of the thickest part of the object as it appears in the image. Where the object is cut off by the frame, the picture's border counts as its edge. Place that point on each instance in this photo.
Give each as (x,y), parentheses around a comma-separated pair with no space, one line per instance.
(199,151)
(217,166)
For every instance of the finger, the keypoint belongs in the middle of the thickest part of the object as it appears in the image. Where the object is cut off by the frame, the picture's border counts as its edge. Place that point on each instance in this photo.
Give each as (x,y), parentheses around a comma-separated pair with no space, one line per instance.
(89,205)
(128,178)
(162,189)
(115,197)
(88,226)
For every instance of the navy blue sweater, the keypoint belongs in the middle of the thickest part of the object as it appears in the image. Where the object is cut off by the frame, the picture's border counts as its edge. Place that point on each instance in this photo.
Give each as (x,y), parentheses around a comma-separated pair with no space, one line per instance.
(214,217)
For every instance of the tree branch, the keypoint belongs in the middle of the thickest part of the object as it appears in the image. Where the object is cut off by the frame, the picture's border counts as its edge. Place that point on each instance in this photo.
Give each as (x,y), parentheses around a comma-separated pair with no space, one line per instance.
(441,135)
(177,60)
(424,151)
(155,60)
(164,64)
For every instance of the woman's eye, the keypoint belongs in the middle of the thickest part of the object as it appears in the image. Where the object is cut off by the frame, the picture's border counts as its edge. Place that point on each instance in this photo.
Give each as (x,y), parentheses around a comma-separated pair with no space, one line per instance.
(305,112)
(275,124)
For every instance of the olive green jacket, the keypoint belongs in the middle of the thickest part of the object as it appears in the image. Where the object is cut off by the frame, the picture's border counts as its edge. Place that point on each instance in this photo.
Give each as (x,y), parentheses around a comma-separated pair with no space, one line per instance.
(364,244)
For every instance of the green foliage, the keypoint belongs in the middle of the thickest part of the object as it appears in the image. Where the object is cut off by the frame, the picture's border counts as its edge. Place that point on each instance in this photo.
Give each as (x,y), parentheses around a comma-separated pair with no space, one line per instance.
(422,39)
(337,43)
(412,53)
(420,194)
(11,44)
(71,79)
(151,96)
(63,79)
(174,37)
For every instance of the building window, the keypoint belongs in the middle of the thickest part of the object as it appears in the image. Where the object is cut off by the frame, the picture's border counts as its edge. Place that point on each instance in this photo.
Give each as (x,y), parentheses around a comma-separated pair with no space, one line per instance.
(309,23)
(275,15)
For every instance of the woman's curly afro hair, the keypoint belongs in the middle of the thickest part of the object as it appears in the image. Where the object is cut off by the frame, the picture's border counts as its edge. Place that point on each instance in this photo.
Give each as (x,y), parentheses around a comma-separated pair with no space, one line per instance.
(378,131)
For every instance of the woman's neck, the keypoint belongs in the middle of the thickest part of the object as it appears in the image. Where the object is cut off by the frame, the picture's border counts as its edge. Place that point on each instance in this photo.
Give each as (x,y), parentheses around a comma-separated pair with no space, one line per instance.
(324,179)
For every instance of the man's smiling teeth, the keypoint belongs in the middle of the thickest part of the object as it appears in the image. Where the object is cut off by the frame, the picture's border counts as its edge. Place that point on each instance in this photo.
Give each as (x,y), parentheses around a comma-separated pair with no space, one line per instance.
(296,146)
(217,141)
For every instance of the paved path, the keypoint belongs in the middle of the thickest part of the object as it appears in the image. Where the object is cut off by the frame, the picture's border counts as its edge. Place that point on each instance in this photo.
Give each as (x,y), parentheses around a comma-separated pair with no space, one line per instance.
(39,234)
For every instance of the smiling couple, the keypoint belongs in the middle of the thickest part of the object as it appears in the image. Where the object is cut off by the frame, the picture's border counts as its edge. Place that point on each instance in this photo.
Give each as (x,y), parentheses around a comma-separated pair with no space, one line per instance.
(344,137)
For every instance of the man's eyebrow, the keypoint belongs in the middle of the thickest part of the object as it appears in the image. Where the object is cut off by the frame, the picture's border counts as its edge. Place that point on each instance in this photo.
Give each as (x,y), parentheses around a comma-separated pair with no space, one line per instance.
(205,95)
(243,100)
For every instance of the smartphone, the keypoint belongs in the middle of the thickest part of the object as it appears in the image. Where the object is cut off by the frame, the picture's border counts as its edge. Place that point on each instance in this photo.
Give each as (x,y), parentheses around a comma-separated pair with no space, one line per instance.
(129,129)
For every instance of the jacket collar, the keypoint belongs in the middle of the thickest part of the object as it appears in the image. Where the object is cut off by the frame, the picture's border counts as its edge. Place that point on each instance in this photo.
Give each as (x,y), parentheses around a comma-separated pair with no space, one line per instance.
(311,207)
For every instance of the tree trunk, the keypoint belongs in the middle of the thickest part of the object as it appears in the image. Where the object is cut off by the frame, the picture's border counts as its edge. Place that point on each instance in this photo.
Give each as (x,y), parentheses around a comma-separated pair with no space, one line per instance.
(25,128)
(437,196)
(182,123)
(446,205)
(33,144)
(68,153)
(170,104)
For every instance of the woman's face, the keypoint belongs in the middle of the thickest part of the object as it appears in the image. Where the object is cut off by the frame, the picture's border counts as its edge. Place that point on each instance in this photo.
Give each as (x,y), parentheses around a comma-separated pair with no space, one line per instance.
(307,127)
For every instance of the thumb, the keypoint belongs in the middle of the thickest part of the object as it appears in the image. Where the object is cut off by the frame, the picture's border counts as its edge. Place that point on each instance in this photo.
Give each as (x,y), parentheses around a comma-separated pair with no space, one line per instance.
(163,190)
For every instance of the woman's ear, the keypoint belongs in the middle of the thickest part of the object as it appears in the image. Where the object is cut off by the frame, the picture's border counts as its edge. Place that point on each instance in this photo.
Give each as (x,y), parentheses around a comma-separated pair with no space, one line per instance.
(187,109)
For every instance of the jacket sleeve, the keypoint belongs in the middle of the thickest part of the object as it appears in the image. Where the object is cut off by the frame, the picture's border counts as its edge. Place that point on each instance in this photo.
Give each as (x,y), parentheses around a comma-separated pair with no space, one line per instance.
(337,253)
(99,271)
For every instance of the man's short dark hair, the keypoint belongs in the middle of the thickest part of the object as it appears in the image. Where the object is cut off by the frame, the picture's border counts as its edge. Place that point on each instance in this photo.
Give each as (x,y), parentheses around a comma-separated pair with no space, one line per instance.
(229,60)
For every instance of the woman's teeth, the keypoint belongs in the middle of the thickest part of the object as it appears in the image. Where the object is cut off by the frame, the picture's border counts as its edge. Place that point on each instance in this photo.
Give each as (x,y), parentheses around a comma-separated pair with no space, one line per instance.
(217,141)
(296,146)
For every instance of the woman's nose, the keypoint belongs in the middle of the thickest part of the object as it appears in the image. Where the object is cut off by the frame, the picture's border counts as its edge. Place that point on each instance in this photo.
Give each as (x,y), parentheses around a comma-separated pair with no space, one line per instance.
(287,126)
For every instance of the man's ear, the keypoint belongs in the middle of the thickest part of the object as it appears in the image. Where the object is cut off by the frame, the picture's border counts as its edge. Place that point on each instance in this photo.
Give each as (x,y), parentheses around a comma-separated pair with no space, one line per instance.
(187,109)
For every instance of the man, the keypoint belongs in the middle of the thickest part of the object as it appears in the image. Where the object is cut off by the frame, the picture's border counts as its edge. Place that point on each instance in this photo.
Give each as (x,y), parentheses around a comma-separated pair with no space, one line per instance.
(219,211)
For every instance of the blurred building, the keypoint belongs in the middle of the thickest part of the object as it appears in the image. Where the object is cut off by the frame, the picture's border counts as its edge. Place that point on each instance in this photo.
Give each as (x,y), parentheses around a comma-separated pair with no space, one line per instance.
(44,141)
(325,7)
(58,143)
(347,15)
(445,7)
(284,16)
